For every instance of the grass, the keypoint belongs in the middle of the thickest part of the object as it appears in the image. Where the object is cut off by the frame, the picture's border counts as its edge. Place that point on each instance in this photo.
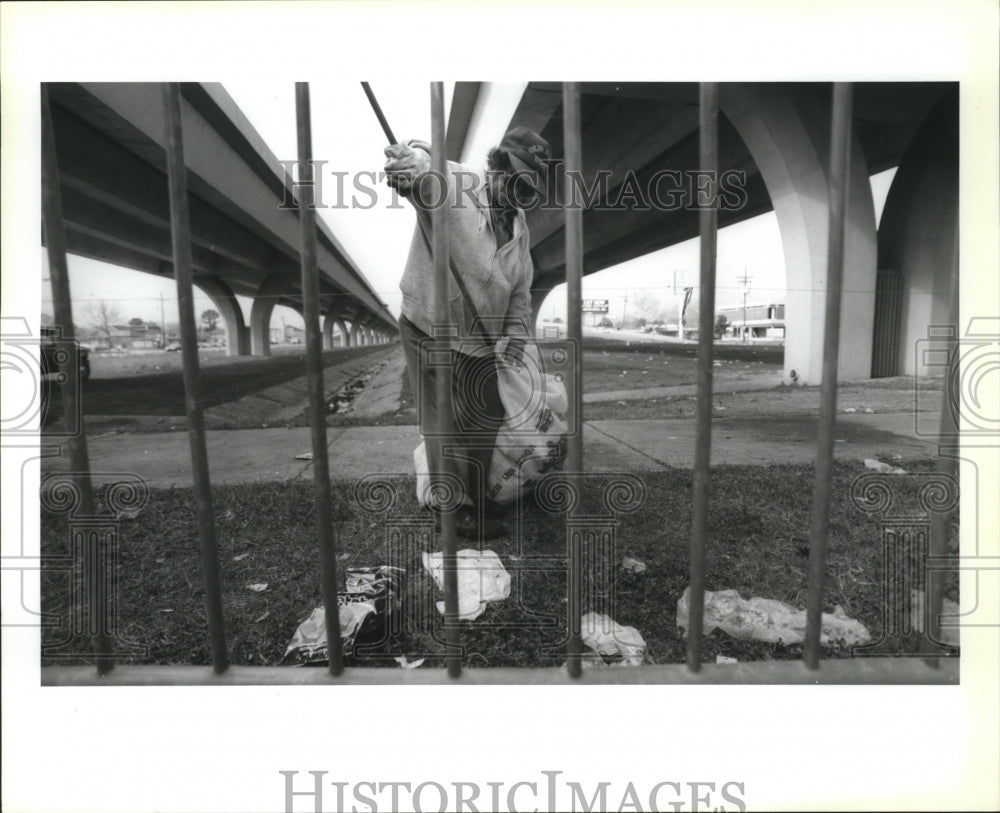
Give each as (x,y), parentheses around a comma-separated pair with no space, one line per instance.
(758,544)
(613,364)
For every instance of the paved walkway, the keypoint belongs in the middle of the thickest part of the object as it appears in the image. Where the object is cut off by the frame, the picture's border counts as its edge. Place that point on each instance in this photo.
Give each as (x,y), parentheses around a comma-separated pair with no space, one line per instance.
(252,455)
(249,455)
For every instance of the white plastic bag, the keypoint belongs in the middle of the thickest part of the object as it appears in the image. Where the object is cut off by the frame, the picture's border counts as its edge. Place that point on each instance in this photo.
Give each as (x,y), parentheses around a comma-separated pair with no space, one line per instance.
(532,439)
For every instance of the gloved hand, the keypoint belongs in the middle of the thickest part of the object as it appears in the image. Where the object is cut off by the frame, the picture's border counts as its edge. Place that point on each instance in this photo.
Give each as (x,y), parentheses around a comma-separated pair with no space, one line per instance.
(404,162)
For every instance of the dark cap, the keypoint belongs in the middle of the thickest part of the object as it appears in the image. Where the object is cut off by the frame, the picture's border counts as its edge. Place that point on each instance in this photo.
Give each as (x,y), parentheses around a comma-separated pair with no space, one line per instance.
(528,153)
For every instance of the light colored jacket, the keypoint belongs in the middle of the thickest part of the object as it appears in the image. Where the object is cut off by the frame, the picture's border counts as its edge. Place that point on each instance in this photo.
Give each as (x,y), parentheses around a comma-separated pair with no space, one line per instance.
(498,280)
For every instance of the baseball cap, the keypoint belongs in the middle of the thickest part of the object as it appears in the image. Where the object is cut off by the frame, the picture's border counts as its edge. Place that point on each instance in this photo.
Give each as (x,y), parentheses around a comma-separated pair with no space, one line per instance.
(528,153)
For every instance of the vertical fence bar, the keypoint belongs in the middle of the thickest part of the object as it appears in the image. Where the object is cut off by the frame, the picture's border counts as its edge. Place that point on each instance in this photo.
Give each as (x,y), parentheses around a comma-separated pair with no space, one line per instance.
(180,231)
(326,536)
(442,380)
(55,244)
(708,225)
(840,161)
(946,465)
(572,166)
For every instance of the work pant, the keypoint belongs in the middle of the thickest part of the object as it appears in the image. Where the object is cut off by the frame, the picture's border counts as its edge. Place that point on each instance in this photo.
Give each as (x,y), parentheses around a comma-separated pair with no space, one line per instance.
(475,402)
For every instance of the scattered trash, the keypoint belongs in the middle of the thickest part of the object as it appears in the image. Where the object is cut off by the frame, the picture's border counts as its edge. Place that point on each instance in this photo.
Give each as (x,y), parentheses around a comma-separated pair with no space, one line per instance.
(265,615)
(304,456)
(883,468)
(257,588)
(228,514)
(623,403)
(765,619)
(167,610)
(725,659)
(850,409)
(130,513)
(869,410)
(161,560)
(633,565)
(371,598)
(408,664)
(613,642)
(949,633)
(481,578)
(240,557)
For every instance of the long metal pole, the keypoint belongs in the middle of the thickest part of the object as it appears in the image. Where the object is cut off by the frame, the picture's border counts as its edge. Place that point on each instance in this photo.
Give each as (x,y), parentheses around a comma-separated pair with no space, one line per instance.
(442,380)
(708,223)
(55,244)
(572,164)
(180,230)
(326,535)
(378,112)
(840,161)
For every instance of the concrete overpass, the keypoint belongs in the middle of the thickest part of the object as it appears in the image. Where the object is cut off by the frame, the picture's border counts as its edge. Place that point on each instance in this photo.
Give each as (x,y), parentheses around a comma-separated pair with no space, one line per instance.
(896,279)
(110,140)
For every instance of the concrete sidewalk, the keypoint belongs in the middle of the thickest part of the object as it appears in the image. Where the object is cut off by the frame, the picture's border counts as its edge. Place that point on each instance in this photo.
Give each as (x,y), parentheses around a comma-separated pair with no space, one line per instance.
(254,455)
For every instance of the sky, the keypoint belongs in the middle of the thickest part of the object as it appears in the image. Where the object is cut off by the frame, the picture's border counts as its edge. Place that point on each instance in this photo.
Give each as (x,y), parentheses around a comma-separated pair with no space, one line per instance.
(376,235)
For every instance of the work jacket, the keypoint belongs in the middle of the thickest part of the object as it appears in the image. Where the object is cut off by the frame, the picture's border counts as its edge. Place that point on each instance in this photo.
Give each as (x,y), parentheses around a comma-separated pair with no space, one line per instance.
(497,279)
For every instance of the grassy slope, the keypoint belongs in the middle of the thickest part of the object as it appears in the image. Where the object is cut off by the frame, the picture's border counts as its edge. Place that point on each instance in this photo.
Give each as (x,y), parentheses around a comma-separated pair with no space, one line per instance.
(758,545)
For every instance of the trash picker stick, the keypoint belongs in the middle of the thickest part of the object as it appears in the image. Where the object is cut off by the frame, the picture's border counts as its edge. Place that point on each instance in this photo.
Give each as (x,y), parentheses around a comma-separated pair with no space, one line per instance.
(378,112)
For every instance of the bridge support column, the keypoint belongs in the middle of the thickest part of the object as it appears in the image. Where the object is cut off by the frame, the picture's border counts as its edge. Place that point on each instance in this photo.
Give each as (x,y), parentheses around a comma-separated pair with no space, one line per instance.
(917,238)
(222,296)
(789,141)
(264,301)
(356,335)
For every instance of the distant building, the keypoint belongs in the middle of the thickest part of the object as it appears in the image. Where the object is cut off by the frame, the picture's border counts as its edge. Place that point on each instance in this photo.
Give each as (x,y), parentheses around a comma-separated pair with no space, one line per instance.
(135,337)
(756,321)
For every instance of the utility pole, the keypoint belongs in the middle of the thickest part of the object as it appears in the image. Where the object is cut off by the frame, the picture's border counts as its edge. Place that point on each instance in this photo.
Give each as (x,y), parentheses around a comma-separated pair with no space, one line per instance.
(624,311)
(746,282)
(163,324)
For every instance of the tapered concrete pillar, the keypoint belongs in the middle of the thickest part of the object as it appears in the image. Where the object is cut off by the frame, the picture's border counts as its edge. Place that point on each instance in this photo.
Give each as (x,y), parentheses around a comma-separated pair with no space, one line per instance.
(264,301)
(788,137)
(356,335)
(918,234)
(222,296)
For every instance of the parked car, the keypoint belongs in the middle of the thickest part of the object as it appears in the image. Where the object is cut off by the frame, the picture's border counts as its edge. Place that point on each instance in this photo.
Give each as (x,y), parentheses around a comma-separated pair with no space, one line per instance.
(173,347)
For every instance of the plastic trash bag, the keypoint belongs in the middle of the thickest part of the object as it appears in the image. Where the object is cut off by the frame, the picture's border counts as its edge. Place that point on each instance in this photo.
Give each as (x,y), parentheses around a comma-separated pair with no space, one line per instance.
(370,598)
(613,642)
(482,578)
(532,439)
(765,619)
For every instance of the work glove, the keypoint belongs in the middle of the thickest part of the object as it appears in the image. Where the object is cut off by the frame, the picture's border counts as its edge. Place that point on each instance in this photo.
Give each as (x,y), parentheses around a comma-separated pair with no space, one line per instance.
(404,162)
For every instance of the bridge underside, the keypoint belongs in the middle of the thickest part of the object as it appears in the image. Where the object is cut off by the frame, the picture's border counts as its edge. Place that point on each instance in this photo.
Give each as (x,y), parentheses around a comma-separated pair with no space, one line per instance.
(110,141)
(777,135)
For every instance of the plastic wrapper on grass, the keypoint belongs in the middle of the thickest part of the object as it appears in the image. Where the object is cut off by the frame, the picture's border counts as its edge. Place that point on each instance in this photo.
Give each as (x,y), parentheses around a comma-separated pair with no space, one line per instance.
(372,596)
(482,578)
(766,619)
(617,645)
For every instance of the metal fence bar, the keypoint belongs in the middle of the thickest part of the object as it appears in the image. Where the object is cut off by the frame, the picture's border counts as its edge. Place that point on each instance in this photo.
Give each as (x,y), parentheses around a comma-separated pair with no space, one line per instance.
(946,465)
(708,225)
(443,381)
(326,535)
(840,161)
(55,244)
(839,671)
(572,165)
(180,231)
